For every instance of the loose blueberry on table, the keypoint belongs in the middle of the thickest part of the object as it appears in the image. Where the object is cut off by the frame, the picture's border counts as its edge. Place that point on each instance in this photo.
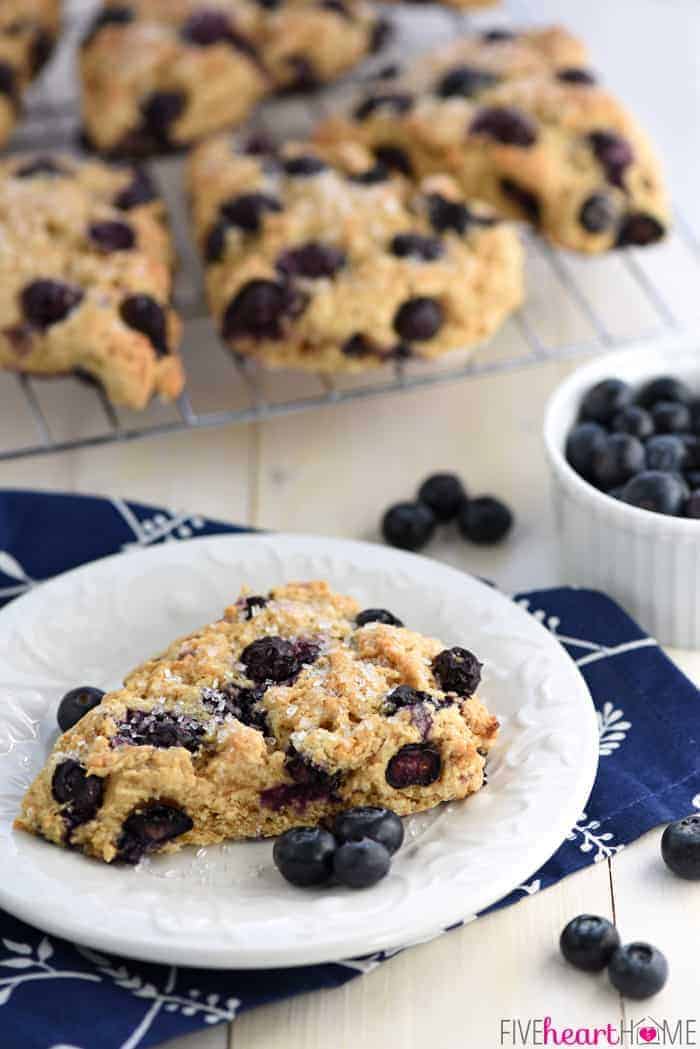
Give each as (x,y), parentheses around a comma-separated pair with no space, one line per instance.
(642,446)
(588,942)
(680,847)
(638,970)
(592,943)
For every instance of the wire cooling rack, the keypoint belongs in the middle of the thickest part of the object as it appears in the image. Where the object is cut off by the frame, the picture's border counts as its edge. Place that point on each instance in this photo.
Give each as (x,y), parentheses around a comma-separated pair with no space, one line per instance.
(574,305)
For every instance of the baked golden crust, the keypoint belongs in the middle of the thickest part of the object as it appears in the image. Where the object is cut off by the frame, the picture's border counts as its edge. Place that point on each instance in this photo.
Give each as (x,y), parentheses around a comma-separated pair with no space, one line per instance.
(28,29)
(81,241)
(175,71)
(320,259)
(522,123)
(202,741)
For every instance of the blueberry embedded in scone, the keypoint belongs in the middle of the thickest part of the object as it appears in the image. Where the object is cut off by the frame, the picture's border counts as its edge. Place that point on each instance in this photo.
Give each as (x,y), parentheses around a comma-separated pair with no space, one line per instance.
(28,29)
(85,277)
(329,260)
(290,709)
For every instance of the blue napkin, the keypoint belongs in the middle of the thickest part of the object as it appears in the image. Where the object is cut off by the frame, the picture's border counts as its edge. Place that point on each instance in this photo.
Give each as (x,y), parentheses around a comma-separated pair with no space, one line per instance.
(54,993)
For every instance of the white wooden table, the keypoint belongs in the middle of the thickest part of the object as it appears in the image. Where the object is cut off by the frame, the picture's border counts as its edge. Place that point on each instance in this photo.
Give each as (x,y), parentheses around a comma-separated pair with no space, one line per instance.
(333,472)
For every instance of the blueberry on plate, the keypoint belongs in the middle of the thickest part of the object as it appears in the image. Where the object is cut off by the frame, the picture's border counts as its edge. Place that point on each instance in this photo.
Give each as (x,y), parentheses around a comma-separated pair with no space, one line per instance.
(304,855)
(605,400)
(680,847)
(667,452)
(484,520)
(588,942)
(638,970)
(581,445)
(619,458)
(370,821)
(662,493)
(359,864)
(665,388)
(634,420)
(444,494)
(75,704)
(671,417)
(377,615)
(408,525)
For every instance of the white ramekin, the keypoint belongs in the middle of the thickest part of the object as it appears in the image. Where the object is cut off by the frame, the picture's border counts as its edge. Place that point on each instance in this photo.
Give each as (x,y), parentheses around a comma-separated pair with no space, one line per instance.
(648,562)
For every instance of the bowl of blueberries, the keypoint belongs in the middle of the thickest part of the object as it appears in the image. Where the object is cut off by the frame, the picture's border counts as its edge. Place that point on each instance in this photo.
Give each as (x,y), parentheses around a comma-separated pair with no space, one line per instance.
(622,437)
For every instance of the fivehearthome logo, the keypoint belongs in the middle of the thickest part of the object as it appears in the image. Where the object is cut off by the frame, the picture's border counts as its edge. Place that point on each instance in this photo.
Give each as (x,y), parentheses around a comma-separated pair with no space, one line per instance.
(543,1031)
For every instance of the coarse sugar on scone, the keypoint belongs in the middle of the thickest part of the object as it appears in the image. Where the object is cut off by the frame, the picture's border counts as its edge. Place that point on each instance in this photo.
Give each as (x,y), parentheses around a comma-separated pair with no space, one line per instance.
(290,708)
(325,259)
(85,277)
(519,120)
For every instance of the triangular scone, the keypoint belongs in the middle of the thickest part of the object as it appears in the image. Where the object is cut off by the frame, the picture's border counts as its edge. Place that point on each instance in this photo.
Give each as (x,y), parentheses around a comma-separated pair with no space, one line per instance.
(282,713)
(520,121)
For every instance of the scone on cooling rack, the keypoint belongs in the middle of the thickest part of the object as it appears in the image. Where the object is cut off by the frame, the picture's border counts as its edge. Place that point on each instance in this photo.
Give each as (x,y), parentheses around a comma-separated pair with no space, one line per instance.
(290,708)
(85,277)
(160,74)
(28,29)
(326,260)
(518,119)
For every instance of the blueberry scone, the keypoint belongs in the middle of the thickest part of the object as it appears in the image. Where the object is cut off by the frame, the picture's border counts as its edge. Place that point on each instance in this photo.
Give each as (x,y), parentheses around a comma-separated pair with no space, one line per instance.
(85,277)
(28,29)
(325,260)
(519,120)
(160,74)
(290,708)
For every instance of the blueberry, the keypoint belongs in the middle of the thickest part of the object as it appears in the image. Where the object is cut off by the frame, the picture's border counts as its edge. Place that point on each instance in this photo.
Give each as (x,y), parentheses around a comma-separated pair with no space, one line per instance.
(394,158)
(141,190)
(43,165)
(304,165)
(8,82)
(247,210)
(414,765)
(465,81)
(405,696)
(505,124)
(47,302)
(662,493)
(259,308)
(241,703)
(694,408)
(312,260)
(447,214)
(396,103)
(588,942)
(338,7)
(304,855)
(665,388)
(638,970)
(75,704)
(639,229)
(581,445)
(149,827)
(444,494)
(159,728)
(206,27)
(372,176)
(360,864)
(666,452)
(112,236)
(109,16)
(160,110)
(277,659)
(497,36)
(598,213)
(613,153)
(692,505)
(81,794)
(680,847)
(419,319)
(408,525)
(144,314)
(377,615)
(358,345)
(417,246)
(251,604)
(527,201)
(484,520)
(382,32)
(41,50)
(373,822)
(575,75)
(620,457)
(605,400)
(215,242)
(671,417)
(457,670)
(633,420)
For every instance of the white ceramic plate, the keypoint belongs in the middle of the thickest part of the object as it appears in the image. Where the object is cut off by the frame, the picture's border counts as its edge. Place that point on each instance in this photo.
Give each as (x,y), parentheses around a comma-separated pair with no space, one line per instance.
(226,906)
